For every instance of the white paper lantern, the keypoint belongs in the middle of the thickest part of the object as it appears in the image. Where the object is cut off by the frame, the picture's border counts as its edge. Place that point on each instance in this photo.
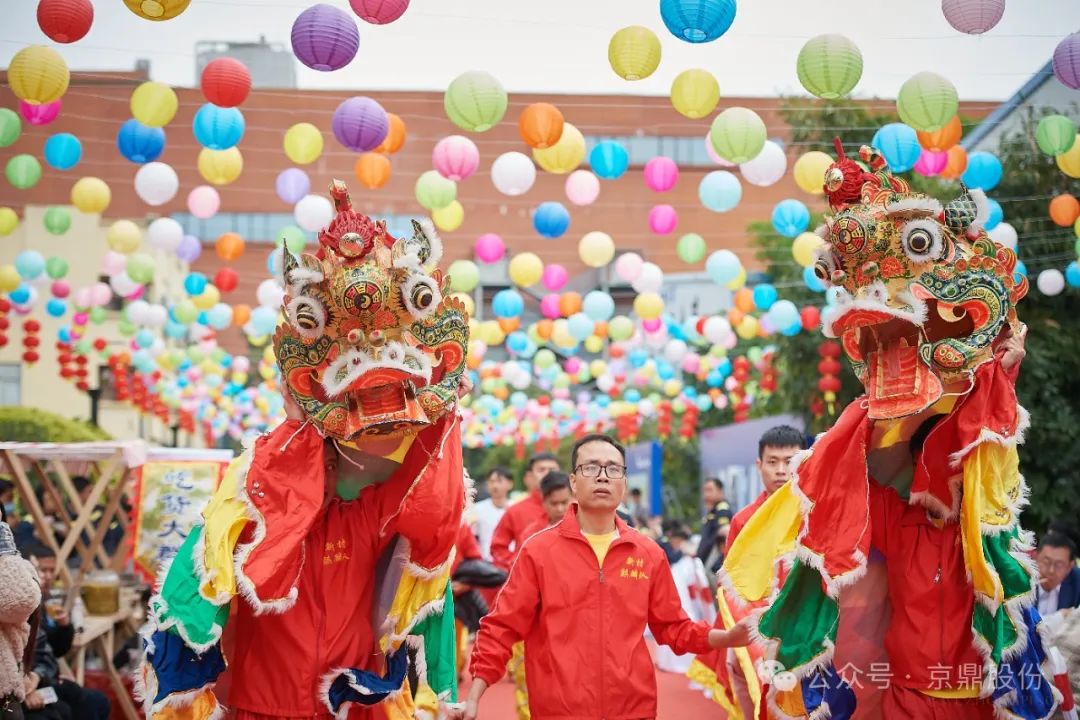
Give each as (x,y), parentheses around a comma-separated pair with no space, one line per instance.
(313,212)
(582,187)
(165,234)
(137,312)
(513,173)
(1004,234)
(1051,282)
(716,329)
(650,279)
(122,285)
(767,168)
(675,351)
(156,183)
(156,316)
(269,294)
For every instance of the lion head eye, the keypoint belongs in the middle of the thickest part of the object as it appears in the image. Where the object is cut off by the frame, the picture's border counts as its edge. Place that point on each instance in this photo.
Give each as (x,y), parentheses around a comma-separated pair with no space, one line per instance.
(923,241)
(421,295)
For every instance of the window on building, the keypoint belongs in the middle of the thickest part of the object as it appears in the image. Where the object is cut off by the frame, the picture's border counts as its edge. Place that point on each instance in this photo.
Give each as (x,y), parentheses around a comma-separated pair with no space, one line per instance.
(10,384)
(265,227)
(687,151)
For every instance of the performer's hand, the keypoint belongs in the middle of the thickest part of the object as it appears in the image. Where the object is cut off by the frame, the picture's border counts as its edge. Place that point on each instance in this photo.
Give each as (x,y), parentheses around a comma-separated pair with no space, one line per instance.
(451,712)
(1011,348)
(465,386)
(34,701)
(472,706)
(292,409)
(738,636)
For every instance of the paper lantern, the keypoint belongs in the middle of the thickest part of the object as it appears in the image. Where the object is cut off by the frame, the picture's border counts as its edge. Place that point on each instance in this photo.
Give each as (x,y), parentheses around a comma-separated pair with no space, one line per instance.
(9,220)
(165,234)
(809,171)
(140,268)
(663,219)
(40,114)
(1050,282)
(291,185)
(995,216)
(433,191)
(738,134)
(790,217)
(609,160)
(551,219)
(1069,161)
(661,174)
(395,135)
(10,127)
(648,306)
(464,276)
(57,220)
(720,191)
(63,151)
(139,143)
(956,164)
(360,124)
(973,17)
(229,246)
(450,217)
(325,38)
(157,10)
(455,157)
(944,138)
(596,249)
(372,170)
(218,128)
(1055,134)
(525,269)
(829,66)
(1067,61)
(927,101)
(695,93)
(634,52)
(540,125)
(156,183)
(189,249)
(598,306)
(582,187)
(983,172)
(1005,235)
(313,213)
(23,172)
(697,21)
(1064,210)
(303,143)
(554,277)
(220,167)
(203,202)
(37,74)
(900,146)
(225,82)
(513,173)
(124,237)
(65,21)
(804,248)
(489,248)
(564,156)
(379,12)
(475,101)
(931,163)
(91,195)
(154,104)
(767,167)
(691,248)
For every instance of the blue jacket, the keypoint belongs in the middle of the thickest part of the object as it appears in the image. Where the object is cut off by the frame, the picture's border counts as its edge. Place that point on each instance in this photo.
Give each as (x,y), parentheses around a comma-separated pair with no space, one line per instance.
(1069,595)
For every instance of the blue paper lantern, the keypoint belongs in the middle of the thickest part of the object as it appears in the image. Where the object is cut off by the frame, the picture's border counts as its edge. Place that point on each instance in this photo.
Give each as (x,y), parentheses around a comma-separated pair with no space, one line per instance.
(195,284)
(720,191)
(609,160)
(899,143)
(996,215)
(144,338)
(551,219)
(790,218)
(63,151)
(764,296)
(722,266)
(263,320)
(598,306)
(784,314)
(64,334)
(580,326)
(984,171)
(507,304)
(20,295)
(218,128)
(175,330)
(1021,270)
(812,281)
(56,307)
(1072,274)
(724,367)
(697,21)
(29,264)
(516,342)
(139,143)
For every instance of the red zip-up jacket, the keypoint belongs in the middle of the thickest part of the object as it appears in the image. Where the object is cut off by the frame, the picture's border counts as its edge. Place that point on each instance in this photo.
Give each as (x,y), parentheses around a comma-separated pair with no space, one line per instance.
(510,532)
(584,626)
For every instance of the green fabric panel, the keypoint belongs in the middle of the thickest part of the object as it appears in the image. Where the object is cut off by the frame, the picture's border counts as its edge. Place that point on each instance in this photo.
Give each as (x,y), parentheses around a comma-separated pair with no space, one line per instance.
(997,630)
(182,602)
(1015,579)
(802,618)
(440,648)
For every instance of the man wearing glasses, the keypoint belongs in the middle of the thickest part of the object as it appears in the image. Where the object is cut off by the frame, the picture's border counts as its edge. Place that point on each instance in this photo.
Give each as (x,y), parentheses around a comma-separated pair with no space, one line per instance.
(580,595)
(1059,578)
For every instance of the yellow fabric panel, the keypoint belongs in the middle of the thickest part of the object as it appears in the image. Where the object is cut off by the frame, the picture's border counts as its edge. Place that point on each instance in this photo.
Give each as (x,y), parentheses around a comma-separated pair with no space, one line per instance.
(204,705)
(991,490)
(770,534)
(426,699)
(600,544)
(398,706)
(705,676)
(742,655)
(887,433)
(225,517)
(957,694)
(414,593)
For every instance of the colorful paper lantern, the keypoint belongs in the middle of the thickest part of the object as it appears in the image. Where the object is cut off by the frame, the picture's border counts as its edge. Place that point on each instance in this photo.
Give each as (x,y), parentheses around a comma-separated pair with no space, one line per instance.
(942,139)
(450,217)
(691,248)
(379,12)
(790,217)
(292,184)
(720,191)
(124,237)
(313,212)
(829,66)
(455,157)
(156,183)
(513,173)
(9,220)
(525,269)
(931,163)
(582,187)
(1050,282)
(372,170)
(360,124)
(663,219)
(1069,161)
(809,171)
(433,191)
(634,52)
(40,114)
(229,246)
(165,234)
(10,127)
(91,195)
(695,93)
(596,249)
(767,167)
(927,101)
(957,163)
(609,160)
(140,143)
(395,135)
(1055,134)
(489,248)
(203,202)
(220,167)
(154,104)
(554,277)
(804,248)
(475,101)
(661,174)
(551,219)
(218,128)
(225,82)
(303,143)
(23,171)
(541,125)
(464,276)
(973,17)
(325,38)
(63,151)
(983,172)
(65,21)
(57,220)
(37,74)
(697,21)
(900,146)
(1067,61)
(738,134)
(1064,210)
(157,10)
(564,156)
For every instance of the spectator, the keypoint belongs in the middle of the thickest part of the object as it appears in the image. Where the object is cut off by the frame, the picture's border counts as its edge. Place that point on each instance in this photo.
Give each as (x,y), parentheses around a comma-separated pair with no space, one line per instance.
(636,509)
(510,532)
(694,594)
(1059,582)
(555,489)
(20,595)
(487,513)
(717,516)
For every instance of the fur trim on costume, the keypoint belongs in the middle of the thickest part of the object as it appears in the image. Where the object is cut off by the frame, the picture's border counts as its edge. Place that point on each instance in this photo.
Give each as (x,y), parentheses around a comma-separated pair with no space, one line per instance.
(982,209)
(302,275)
(986,435)
(927,205)
(434,241)
(916,315)
(198,558)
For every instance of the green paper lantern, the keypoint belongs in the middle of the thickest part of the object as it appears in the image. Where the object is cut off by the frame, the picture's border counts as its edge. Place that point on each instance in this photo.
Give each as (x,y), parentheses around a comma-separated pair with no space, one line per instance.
(634,52)
(126,327)
(57,220)
(293,238)
(927,101)
(23,171)
(1055,134)
(10,127)
(475,101)
(56,268)
(186,313)
(435,192)
(829,66)
(464,276)
(695,93)
(9,220)
(83,346)
(738,134)
(98,315)
(691,248)
(140,267)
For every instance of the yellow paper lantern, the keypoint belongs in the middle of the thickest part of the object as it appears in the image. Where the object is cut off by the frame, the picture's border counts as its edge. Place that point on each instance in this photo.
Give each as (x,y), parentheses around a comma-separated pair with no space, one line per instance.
(154,104)
(1069,161)
(648,306)
(525,269)
(634,52)
(747,328)
(157,9)
(1076,228)
(466,300)
(8,221)
(594,344)
(739,280)
(491,333)
(561,335)
(208,298)
(695,93)
(91,195)
(810,171)
(672,387)
(38,75)
(804,248)
(124,236)
(449,218)
(596,249)
(564,156)
(9,278)
(220,167)
(303,143)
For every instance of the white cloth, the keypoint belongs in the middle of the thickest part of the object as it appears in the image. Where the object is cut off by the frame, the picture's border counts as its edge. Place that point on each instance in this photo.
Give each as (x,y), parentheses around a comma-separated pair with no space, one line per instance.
(693,587)
(485,518)
(1048,601)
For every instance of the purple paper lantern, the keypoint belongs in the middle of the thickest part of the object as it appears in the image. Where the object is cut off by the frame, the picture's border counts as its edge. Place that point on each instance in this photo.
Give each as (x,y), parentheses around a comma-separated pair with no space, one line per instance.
(189,249)
(292,185)
(931,163)
(39,114)
(325,38)
(1067,61)
(379,12)
(360,124)
(973,17)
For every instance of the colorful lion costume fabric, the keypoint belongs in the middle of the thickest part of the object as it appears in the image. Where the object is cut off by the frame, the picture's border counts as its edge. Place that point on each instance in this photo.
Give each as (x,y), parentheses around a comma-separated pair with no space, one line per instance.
(329,606)
(921,298)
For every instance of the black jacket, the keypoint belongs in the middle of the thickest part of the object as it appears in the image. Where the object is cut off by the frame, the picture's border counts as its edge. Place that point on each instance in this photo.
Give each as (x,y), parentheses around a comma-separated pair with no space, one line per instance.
(719,516)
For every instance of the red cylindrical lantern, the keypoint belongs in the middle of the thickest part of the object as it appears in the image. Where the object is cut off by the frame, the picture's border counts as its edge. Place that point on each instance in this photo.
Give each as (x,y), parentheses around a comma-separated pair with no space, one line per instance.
(65,21)
(226,82)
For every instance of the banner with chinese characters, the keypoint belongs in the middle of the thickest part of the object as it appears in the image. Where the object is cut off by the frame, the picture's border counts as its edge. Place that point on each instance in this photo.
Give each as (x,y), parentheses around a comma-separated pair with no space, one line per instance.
(171,497)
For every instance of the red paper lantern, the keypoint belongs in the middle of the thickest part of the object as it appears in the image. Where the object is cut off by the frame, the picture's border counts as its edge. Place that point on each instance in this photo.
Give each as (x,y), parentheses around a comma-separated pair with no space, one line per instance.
(226,279)
(31,326)
(30,357)
(82,385)
(226,82)
(65,21)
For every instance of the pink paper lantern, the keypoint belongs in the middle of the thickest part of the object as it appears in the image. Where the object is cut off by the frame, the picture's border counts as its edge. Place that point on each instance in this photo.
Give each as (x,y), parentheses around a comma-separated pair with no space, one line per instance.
(60,289)
(582,187)
(661,173)
(379,12)
(628,267)
(712,153)
(572,365)
(112,263)
(489,248)
(549,306)
(973,17)
(81,318)
(652,325)
(455,157)
(663,219)
(100,294)
(204,202)
(554,277)
(931,163)
(691,363)
(39,114)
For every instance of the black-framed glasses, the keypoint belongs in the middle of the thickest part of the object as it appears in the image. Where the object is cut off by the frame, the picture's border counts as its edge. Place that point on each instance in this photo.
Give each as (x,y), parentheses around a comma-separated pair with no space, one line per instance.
(593,470)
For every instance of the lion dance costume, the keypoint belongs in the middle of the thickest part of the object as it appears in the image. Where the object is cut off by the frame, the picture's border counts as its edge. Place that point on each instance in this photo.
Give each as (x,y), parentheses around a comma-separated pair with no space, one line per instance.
(922,297)
(336,608)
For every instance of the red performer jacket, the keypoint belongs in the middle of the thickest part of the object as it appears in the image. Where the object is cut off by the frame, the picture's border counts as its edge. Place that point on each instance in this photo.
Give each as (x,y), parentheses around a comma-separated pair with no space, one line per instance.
(583,625)
(510,532)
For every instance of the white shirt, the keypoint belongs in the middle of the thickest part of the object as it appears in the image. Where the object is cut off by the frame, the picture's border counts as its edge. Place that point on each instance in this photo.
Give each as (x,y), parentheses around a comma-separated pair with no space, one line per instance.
(485,518)
(1048,601)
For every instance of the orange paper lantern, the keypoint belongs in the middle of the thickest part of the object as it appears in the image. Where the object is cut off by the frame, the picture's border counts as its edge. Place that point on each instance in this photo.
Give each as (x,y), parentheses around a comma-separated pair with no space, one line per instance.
(395,136)
(544,328)
(957,163)
(600,329)
(373,170)
(241,314)
(569,303)
(229,246)
(510,324)
(541,125)
(1064,209)
(744,299)
(735,316)
(943,139)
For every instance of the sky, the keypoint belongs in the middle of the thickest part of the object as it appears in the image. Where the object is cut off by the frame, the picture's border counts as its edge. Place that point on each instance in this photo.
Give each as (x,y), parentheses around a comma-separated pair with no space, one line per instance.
(560,46)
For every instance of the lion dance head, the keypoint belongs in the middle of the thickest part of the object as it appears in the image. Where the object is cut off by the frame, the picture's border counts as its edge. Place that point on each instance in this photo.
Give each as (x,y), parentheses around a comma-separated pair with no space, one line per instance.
(371,343)
(920,292)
